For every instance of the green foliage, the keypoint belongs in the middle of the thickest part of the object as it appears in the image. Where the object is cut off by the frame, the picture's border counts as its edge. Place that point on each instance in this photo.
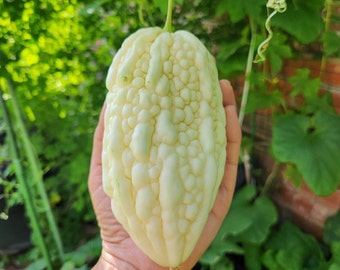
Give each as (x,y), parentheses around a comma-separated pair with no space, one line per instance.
(290,248)
(300,23)
(243,231)
(331,232)
(79,259)
(308,142)
(331,41)
(331,37)
(163,5)
(8,188)
(293,174)
(262,96)
(331,236)
(277,51)
(55,67)
(301,20)
(306,135)
(239,10)
(305,86)
(47,74)
(284,246)
(231,57)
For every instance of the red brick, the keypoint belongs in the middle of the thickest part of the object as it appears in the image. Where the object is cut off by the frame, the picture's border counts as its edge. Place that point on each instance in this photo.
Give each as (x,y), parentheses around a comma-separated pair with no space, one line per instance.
(303,204)
(336,100)
(332,201)
(304,208)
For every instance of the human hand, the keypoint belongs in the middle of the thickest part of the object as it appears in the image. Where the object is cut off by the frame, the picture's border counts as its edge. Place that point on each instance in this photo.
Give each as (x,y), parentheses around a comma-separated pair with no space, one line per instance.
(118,249)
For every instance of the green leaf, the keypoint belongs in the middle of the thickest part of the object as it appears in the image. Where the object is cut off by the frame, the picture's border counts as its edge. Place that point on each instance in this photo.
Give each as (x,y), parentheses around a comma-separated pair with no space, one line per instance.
(302,20)
(263,99)
(236,221)
(335,248)
(244,195)
(310,142)
(90,249)
(238,10)
(228,49)
(217,250)
(39,264)
(234,66)
(248,220)
(163,5)
(331,42)
(210,257)
(247,223)
(331,231)
(224,264)
(334,266)
(277,51)
(252,256)
(68,266)
(293,174)
(290,248)
(263,215)
(304,85)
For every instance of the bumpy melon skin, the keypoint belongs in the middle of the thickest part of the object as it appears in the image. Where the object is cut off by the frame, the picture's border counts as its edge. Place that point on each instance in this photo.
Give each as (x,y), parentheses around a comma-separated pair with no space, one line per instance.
(164,146)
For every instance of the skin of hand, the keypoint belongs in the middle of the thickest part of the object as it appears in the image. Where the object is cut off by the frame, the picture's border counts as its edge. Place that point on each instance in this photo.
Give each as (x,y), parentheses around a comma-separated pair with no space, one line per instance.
(118,249)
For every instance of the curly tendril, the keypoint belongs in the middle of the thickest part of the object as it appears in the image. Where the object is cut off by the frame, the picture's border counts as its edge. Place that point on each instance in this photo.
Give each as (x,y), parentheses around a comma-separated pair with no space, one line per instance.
(279,6)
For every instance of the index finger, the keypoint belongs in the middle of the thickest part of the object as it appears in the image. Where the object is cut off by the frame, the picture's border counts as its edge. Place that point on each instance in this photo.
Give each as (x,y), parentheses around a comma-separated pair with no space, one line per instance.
(227,94)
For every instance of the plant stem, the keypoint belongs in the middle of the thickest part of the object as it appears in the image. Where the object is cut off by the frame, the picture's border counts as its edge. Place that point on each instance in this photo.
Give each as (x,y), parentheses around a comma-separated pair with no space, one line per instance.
(25,189)
(36,172)
(249,68)
(140,12)
(271,178)
(168,23)
(329,4)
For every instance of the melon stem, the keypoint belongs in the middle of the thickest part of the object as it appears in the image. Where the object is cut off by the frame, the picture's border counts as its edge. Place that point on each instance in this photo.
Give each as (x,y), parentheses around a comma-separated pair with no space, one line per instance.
(168,23)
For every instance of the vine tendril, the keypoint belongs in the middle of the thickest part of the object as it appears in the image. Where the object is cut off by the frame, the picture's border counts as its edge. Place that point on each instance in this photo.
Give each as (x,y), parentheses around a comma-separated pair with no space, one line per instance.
(278,6)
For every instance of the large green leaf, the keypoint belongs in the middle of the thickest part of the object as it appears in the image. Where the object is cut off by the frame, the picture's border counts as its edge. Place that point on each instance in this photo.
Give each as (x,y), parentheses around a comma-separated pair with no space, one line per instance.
(246,226)
(263,215)
(312,143)
(302,19)
(250,220)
